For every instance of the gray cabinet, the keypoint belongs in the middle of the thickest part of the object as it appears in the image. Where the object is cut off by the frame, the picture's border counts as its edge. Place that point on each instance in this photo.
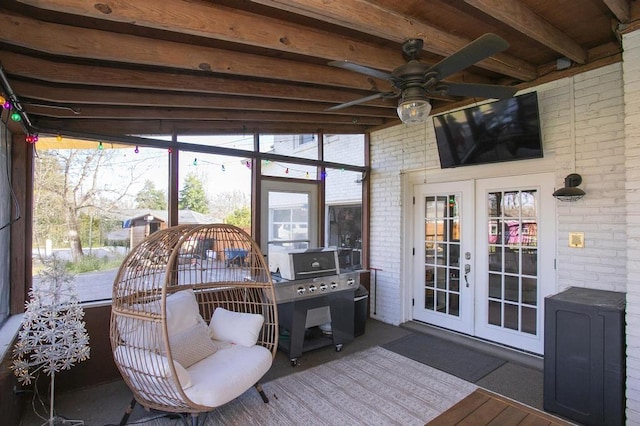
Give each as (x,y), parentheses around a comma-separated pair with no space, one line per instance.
(584,350)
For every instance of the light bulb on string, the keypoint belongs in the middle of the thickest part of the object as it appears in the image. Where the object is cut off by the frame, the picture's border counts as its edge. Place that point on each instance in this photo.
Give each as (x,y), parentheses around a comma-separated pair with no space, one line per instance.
(323,175)
(2,100)
(248,164)
(169,150)
(100,147)
(6,104)
(195,161)
(59,138)
(16,117)
(137,150)
(306,175)
(287,171)
(223,169)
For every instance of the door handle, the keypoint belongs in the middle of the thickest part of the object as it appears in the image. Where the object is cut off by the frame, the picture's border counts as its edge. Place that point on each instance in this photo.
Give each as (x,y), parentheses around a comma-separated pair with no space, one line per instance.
(467,270)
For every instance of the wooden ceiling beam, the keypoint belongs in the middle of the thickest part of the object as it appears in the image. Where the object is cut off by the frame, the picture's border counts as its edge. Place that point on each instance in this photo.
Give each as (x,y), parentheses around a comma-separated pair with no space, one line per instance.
(221,23)
(148,113)
(620,8)
(519,17)
(56,126)
(77,42)
(59,72)
(76,96)
(369,18)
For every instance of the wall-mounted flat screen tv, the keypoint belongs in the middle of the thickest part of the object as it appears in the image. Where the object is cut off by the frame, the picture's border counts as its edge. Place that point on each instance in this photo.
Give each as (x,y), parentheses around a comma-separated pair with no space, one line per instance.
(504,130)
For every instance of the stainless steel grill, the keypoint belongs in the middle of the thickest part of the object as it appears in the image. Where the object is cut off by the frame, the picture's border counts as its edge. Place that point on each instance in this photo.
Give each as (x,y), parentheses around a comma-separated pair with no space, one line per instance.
(319,295)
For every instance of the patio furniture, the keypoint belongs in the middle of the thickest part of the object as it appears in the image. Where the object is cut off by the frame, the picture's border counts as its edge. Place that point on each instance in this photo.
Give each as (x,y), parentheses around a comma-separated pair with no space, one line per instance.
(188,338)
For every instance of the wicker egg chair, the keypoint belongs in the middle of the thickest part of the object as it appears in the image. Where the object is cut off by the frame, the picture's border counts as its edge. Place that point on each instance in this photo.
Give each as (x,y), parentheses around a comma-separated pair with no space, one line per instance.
(194,319)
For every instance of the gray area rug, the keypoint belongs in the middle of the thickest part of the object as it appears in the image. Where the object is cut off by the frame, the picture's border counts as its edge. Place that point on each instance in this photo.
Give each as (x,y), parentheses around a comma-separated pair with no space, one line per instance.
(453,358)
(372,387)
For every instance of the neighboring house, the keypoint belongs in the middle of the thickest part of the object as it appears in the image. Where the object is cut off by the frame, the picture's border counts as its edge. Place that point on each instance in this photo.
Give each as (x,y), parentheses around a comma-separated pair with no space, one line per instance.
(141,223)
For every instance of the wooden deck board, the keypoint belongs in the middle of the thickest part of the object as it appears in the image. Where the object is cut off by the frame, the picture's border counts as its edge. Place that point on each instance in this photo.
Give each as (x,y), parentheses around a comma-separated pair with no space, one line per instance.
(483,407)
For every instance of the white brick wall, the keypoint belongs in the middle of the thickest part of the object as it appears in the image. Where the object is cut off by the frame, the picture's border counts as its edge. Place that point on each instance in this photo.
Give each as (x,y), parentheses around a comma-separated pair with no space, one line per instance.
(631,69)
(582,122)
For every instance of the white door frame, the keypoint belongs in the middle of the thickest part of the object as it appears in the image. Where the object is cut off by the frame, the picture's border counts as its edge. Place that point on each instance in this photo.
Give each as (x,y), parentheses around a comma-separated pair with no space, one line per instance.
(415,178)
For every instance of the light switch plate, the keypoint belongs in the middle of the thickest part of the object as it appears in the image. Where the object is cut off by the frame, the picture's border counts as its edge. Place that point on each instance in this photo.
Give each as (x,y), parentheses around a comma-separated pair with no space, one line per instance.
(576,239)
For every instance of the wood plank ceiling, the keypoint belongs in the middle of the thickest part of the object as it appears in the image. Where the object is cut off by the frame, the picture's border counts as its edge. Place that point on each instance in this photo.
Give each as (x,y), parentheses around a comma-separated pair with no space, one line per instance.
(195,66)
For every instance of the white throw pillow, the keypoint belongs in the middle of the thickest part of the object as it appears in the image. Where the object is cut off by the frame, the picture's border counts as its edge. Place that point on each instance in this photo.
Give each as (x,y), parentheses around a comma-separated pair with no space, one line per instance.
(192,345)
(182,314)
(236,327)
(182,311)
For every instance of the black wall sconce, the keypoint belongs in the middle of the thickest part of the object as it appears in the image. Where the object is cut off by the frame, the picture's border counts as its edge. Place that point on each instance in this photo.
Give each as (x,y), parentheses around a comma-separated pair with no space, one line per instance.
(570,192)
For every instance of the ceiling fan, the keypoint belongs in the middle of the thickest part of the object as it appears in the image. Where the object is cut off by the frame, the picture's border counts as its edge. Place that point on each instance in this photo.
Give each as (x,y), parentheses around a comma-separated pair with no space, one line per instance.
(414,81)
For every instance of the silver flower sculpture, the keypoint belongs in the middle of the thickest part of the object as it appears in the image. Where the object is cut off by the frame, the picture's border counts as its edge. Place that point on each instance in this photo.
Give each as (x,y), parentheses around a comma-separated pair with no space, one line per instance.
(53,335)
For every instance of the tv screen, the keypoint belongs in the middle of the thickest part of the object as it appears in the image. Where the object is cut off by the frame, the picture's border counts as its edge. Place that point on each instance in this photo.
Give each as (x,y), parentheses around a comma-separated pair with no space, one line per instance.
(505,130)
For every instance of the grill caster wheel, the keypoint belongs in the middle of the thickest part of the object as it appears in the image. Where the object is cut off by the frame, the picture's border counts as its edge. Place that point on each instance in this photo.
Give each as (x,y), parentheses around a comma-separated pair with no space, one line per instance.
(294,362)
(339,347)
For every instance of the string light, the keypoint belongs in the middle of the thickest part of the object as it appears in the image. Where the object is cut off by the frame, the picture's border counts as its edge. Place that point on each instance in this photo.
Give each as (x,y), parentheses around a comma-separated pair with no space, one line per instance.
(59,138)
(100,147)
(31,138)
(287,171)
(16,117)
(137,150)
(2,100)
(195,161)
(223,169)
(6,104)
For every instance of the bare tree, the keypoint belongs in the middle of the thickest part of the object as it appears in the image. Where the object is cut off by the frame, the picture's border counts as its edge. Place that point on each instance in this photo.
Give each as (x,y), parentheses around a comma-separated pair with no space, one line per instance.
(84,180)
(224,204)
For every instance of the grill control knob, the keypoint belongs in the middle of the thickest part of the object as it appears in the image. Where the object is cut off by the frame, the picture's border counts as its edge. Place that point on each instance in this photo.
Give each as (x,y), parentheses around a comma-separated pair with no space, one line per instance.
(323,287)
(334,285)
(301,291)
(351,282)
(312,288)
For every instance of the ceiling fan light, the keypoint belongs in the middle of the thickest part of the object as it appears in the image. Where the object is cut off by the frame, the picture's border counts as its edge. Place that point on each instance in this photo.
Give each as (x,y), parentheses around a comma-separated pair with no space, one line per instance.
(414,111)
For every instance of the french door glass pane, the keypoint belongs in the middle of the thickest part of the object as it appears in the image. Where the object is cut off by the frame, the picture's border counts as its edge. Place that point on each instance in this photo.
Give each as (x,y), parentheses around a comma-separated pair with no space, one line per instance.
(513,260)
(442,254)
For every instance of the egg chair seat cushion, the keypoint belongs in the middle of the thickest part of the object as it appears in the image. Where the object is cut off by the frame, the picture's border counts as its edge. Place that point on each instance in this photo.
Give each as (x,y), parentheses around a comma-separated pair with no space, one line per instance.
(227,374)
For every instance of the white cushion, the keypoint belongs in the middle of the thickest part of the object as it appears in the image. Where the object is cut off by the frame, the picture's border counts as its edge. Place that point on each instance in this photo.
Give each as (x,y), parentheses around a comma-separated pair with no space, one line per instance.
(182,311)
(227,374)
(150,364)
(192,345)
(236,327)
(182,314)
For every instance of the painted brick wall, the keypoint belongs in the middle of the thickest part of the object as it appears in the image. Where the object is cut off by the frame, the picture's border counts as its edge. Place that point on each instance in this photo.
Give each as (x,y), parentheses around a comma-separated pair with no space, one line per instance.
(582,121)
(631,68)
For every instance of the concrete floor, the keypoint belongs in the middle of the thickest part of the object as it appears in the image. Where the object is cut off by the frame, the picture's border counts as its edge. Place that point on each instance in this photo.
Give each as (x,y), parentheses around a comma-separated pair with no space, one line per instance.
(520,378)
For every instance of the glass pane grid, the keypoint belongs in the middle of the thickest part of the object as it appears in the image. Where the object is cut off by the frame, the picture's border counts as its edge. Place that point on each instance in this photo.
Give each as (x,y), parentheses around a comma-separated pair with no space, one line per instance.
(512,265)
(442,254)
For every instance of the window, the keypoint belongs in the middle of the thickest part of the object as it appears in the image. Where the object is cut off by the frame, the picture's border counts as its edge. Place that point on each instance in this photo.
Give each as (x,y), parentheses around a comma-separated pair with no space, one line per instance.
(5,221)
(92,204)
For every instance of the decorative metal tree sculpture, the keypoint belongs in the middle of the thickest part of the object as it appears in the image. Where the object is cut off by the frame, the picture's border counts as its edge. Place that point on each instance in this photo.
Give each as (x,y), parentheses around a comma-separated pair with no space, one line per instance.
(53,335)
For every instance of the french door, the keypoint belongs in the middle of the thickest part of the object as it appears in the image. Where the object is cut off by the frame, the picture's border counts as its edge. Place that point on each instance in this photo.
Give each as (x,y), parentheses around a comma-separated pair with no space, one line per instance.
(484,258)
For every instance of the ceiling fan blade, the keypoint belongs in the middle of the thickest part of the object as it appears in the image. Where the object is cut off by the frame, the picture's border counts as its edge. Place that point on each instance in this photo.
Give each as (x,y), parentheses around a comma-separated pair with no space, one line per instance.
(490,91)
(363,100)
(479,49)
(361,69)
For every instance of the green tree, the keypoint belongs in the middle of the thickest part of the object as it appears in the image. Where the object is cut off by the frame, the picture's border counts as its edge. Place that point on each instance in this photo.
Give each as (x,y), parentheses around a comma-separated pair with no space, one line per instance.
(240,217)
(151,198)
(193,196)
